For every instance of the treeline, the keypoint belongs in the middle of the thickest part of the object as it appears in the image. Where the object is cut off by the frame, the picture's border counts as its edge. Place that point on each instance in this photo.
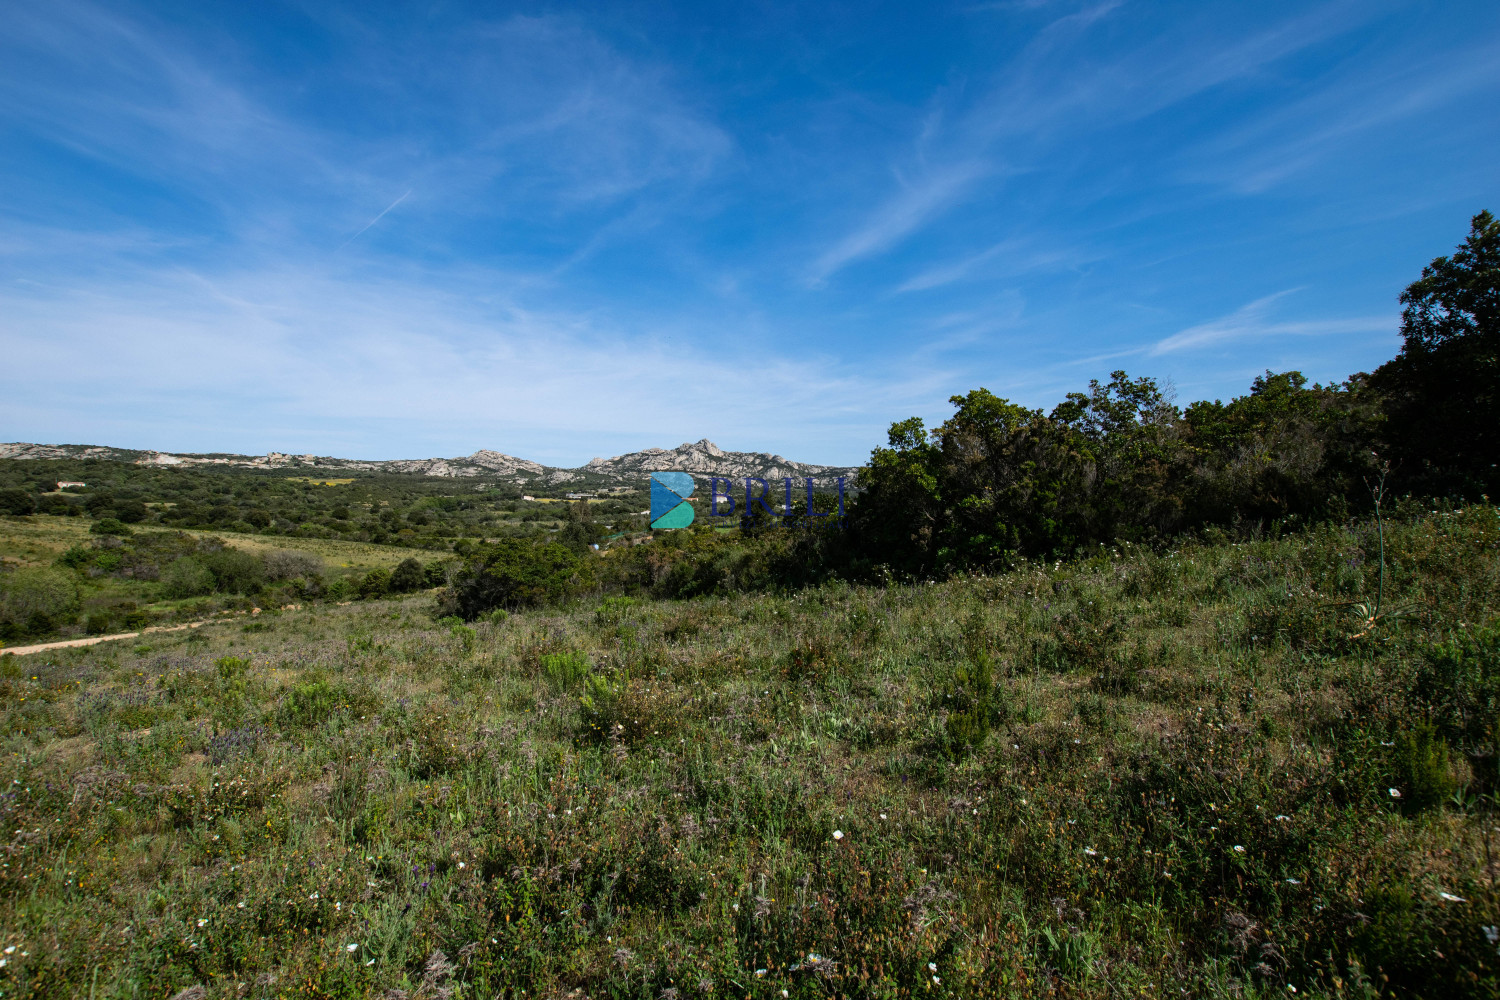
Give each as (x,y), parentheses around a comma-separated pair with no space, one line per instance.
(998,482)
(380,508)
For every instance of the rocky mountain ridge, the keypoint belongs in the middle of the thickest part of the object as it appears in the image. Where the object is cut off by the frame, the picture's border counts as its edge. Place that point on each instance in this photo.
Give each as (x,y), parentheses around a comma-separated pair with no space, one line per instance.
(702,457)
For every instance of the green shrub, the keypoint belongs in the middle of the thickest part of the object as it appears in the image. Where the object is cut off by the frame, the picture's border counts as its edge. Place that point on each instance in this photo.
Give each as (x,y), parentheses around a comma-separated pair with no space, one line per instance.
(513,574)
(13,501)
(187,577)
(310,702)
(1070,951)
(110,526)
(408,576)
(629,710)
(376,583)
(130,511)
(564,670)
(1459,685)
(234,571)
(37,601)
(1419,769)
(971,706)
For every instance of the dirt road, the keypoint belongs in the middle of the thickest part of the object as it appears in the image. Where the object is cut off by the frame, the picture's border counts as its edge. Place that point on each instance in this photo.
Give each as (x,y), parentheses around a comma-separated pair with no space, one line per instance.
(91,640)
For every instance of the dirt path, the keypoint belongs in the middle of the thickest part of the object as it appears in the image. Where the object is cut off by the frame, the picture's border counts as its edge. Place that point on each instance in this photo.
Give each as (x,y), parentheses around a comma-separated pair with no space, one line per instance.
(91,640)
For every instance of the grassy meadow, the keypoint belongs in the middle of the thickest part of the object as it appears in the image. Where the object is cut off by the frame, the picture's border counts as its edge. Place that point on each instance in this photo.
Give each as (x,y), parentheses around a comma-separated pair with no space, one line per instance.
(1212,770)
(39,540)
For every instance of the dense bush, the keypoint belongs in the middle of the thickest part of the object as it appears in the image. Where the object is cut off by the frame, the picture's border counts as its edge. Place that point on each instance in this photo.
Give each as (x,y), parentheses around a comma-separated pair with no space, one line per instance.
(36,601)
(408,576)
(514,574)
(376,583)
(17,501)
(187,577)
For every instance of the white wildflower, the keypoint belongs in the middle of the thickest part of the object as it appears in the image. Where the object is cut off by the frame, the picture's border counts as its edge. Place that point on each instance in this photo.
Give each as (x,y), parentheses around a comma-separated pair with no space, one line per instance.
(1395,792)
(1239,848)
(838,835)
(1452,898)
(352,947)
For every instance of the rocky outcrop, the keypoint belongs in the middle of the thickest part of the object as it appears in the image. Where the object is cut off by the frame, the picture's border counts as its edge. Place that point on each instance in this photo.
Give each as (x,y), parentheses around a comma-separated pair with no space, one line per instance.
(703,457)
(708,459)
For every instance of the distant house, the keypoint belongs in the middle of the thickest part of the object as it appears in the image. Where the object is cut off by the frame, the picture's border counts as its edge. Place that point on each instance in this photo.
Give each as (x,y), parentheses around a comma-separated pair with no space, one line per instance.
(524,497)
(579,496)
(63,486)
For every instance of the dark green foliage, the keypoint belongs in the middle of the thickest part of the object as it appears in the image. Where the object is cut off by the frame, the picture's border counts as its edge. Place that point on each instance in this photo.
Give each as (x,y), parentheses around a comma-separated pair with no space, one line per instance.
(1419,769)
(1285,450)
(579,531)
(513,574)
(376,583)
(311,702)
(1442,391)
(1459,682)
(129,511)
(234,571)
(58,506)
(971,706)
(33,602)
(187,577)
(564,670)
(17,501)
(408,576)
(110,526)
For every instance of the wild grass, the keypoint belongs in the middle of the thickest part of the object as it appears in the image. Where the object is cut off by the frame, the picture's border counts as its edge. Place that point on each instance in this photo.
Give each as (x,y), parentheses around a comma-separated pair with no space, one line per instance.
(1191,772)
(39,539)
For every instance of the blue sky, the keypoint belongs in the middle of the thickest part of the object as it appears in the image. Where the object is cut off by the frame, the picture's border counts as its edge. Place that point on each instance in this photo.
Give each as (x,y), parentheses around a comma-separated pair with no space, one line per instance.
(562,231)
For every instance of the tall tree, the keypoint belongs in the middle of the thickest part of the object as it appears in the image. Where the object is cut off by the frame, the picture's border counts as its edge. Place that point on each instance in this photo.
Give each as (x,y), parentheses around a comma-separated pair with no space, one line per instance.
(1442,392)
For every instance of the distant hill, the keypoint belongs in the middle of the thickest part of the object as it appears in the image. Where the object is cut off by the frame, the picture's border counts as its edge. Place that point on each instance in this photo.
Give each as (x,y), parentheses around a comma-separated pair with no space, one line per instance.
(709,459)
(703,457)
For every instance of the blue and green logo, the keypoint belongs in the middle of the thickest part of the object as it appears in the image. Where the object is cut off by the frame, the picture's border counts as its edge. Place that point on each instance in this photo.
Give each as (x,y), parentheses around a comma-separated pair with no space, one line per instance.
(669,503)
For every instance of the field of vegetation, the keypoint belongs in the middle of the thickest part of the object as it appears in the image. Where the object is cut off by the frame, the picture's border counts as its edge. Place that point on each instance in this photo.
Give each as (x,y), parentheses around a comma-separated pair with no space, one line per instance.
(414,511)
(1217,768)
(59,579)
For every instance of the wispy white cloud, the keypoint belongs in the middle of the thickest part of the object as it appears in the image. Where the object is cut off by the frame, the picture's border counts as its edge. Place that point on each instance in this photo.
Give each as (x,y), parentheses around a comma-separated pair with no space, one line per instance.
(281,360)
(1049,95)
(1006,258)
(1252,322)
(1363,103)
(899,216)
